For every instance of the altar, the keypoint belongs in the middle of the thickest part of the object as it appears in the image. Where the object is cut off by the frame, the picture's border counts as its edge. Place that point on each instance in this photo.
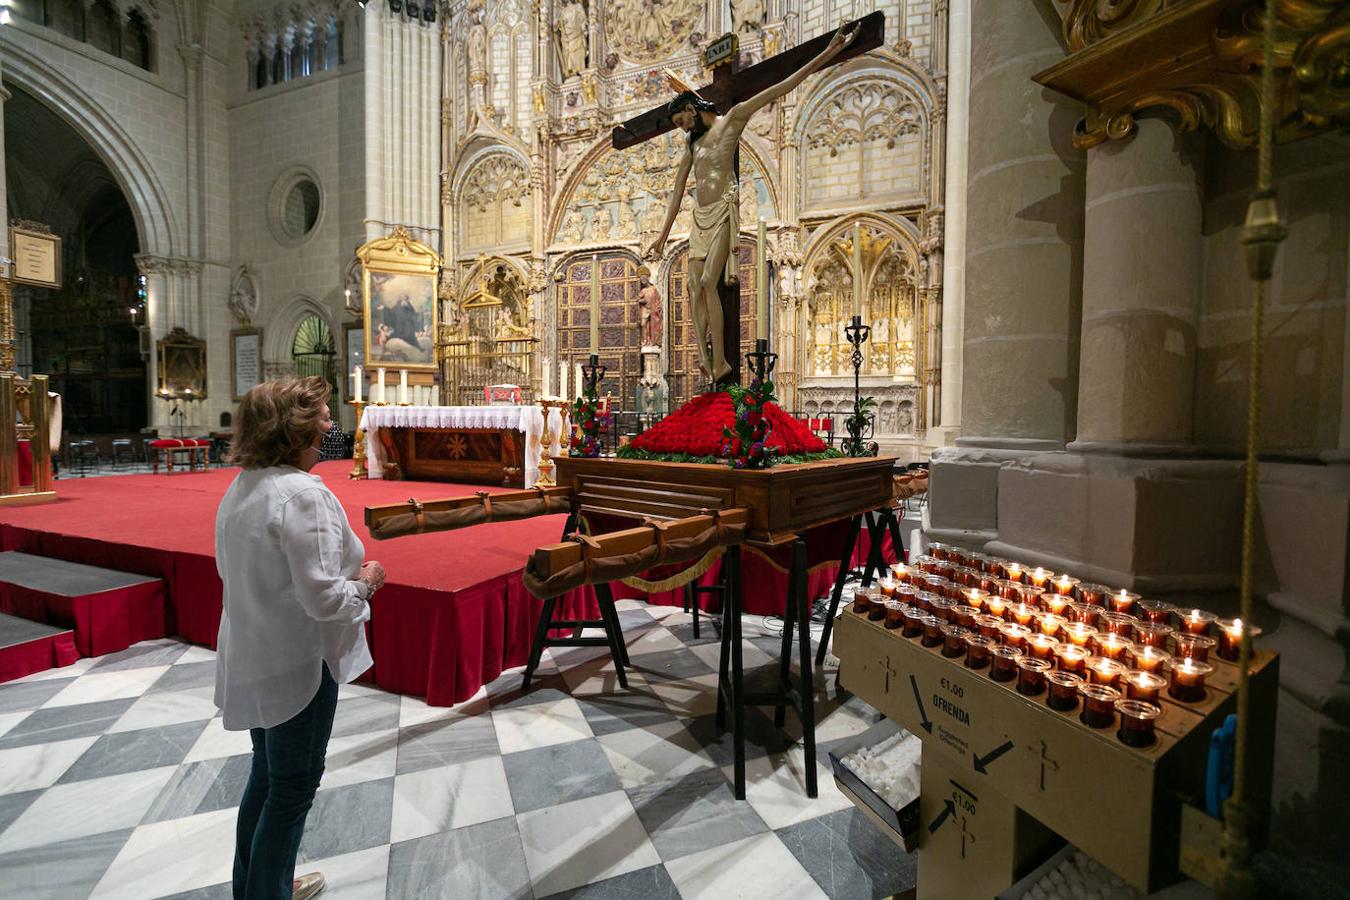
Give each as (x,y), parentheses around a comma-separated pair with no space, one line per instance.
(496,445)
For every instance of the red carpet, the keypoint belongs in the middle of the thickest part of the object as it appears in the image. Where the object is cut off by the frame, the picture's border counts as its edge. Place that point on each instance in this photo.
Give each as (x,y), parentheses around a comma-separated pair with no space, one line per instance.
(451,617)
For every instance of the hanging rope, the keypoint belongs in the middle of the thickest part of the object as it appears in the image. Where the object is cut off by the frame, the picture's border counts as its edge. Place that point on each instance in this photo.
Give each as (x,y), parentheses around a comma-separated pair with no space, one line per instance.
(1261,234)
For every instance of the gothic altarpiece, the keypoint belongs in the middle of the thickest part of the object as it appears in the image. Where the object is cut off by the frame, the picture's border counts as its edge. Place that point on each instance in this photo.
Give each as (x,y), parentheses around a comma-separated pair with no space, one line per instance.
(534,194)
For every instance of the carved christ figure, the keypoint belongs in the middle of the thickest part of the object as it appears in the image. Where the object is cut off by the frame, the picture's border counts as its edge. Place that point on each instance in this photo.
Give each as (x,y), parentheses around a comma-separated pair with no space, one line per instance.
(711,153)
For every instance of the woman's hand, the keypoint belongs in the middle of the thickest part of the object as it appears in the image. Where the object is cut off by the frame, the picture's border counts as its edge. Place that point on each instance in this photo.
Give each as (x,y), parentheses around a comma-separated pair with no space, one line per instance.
(372,573)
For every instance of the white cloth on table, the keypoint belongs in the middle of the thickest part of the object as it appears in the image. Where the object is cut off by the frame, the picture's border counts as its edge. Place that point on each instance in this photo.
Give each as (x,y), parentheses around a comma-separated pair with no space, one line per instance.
(525,419)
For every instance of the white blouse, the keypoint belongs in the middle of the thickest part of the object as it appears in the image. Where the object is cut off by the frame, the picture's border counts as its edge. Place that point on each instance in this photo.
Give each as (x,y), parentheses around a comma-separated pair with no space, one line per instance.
(289,562)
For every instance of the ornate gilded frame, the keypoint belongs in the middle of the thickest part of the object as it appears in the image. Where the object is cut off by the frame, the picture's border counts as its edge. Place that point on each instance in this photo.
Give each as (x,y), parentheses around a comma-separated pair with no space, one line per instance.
(182,366)
(391,268)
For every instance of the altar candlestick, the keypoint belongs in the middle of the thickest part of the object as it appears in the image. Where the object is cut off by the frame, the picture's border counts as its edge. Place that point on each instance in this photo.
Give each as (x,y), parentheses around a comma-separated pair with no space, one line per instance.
(762,285)
(857,269)
(595,306)
(402,385)
(357,377)
(380,385)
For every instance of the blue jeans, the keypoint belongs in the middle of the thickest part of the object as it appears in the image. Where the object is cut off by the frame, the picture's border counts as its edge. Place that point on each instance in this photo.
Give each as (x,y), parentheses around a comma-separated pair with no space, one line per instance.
(287,765)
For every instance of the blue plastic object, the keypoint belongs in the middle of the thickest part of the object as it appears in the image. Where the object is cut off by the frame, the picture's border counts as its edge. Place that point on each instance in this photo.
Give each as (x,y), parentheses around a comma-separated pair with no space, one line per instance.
(1219,776)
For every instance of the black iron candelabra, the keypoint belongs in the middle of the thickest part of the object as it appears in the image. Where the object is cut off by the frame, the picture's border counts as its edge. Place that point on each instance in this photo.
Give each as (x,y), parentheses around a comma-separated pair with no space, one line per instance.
(592,373)
(761,361)
(859,429)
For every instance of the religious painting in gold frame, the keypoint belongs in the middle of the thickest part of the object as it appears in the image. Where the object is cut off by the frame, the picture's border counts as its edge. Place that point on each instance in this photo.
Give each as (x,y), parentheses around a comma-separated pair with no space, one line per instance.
(182,366)
(399,302)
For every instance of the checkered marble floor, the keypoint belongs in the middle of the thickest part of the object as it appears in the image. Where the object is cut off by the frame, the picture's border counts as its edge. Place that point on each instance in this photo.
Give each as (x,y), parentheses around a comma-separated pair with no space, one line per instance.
(117,780)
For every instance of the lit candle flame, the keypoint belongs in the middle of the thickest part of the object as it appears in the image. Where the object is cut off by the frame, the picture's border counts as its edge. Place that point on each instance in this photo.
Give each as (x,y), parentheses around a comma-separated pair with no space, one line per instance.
(1039,573)
(1195,615)
(1014,567)
(1122,595)
(1236,627)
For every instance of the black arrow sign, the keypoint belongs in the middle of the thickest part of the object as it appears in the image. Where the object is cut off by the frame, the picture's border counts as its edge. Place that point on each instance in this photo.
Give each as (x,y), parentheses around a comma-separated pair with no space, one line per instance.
(918,699)
(943,816)
(982,761)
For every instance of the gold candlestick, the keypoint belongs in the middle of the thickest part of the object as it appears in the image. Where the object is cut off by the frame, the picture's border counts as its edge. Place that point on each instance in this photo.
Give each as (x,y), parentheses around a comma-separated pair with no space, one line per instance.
(358,444)
(546,466)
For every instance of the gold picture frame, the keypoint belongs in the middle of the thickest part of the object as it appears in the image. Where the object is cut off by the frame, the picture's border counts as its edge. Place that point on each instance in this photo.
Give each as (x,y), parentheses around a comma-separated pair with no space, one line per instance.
(182,366)
(400,308)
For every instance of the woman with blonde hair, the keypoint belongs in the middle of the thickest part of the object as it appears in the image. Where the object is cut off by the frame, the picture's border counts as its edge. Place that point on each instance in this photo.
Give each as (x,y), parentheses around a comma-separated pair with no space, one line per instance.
(296,599)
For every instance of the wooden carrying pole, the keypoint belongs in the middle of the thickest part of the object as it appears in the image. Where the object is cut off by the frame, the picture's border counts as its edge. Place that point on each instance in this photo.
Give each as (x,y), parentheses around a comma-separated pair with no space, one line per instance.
(545,561)
(377,515)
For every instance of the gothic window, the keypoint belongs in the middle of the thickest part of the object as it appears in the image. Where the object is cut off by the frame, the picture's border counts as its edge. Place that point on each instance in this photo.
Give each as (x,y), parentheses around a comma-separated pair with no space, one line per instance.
(312,348)
(260,71)
(865,139)
(65,17)
(888,308)
(136,41)
(104,28)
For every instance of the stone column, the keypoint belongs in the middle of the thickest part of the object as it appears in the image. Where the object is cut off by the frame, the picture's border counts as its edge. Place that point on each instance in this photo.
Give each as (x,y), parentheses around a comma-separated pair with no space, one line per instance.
(1023,238)
(1023,204)
(1142,270)
(954,219)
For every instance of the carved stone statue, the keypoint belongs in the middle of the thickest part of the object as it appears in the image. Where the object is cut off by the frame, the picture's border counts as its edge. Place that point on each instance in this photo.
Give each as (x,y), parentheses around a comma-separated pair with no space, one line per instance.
(649,299)
(476,47)
(572,26)
(713,235)
(747,15)
(244,297)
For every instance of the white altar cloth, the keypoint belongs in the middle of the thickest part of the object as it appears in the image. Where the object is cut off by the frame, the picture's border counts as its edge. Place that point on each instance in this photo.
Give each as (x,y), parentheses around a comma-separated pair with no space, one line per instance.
(526,419)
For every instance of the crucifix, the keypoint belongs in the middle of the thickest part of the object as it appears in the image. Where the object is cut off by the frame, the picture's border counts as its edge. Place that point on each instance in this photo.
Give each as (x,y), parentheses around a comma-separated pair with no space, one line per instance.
(714,116)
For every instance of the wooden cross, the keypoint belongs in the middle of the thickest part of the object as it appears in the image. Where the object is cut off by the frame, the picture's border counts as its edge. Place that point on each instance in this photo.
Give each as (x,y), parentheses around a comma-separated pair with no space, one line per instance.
(729,87)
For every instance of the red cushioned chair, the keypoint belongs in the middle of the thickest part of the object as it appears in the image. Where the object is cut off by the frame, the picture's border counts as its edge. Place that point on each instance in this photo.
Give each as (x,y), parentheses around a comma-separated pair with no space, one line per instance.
(163,449)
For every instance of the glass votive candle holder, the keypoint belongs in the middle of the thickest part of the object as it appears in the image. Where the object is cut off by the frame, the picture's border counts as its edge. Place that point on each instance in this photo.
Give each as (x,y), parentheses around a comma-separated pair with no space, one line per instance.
(1146,658)
(995,605)
(1072,658)
(1064,585)
(1101,670)
(1093,594)
(1029,595)
(1041,646)
(975,597)
(942,608)
(1111,646)
(1117,623)
(1085,613)
(913,622)
(1123,601)
(1155,611)
(1099,705)
(928,564)
(887,586)
(924,600)
(966,577)
(1031,674)
(1077,633)
(1136,722)
(1193,646)
(1014,572)
(1014,635)
(1230,638)
(1152,634)
(1039,578)
(964,615)
(935,584)
(862,601)
(1003,662)
(1010,591)
(1144,685)
(1187,682)
(953,640)
(932,630)
(895,613)
(1050,624)
(1063,687)
(940,551)
(978,648)
(876,607)
(900,571)
(1195,621)
(989,626)
(1056,603)
(1021,613)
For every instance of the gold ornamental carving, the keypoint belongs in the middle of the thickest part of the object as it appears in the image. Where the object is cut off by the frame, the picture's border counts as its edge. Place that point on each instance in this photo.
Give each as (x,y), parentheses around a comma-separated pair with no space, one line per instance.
(1199,60)
(648,32)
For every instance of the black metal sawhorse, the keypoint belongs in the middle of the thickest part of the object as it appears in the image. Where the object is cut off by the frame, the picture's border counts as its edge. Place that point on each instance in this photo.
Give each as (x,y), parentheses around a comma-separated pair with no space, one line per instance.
(878,523)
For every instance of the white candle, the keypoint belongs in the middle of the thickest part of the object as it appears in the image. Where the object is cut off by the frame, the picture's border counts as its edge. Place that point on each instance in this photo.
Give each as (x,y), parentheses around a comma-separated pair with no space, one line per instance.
(379,383)
(762,284)
(580,381)
(402,385)
(857,269)
(548,373)
(562,380)
(357,377)
(595,304)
